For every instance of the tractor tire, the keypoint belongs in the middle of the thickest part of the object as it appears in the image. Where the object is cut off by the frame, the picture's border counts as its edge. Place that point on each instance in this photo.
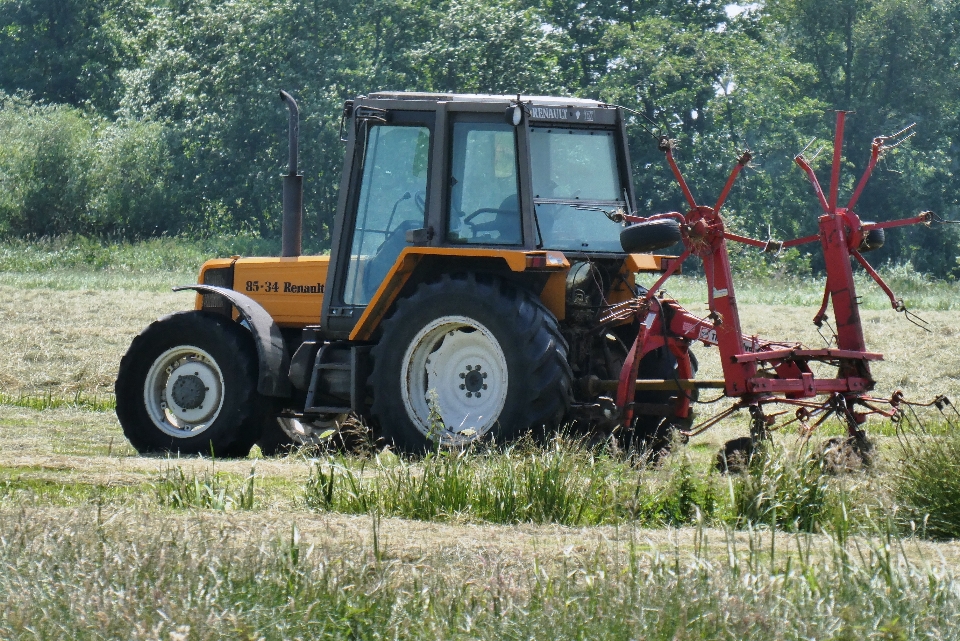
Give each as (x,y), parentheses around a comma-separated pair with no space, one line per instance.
(650,236)
(188,384)
(465,358)
(873,239)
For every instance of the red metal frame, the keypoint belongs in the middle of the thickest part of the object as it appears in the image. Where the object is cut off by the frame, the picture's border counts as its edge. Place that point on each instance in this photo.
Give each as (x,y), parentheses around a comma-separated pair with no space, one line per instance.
(758,371)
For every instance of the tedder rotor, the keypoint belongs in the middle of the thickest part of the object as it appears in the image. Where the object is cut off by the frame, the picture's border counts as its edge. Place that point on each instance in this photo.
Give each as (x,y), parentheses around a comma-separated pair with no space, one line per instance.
(759,372)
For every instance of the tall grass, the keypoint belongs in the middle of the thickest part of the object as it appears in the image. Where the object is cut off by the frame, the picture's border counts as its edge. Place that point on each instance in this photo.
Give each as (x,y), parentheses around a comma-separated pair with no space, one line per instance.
(211,490)
(564,483)
(927,483)
(168,254)
(130,576)
(782,489)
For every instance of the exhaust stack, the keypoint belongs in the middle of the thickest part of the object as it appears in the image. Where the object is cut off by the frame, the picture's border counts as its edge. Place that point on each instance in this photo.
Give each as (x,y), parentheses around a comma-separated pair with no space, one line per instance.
(292,227)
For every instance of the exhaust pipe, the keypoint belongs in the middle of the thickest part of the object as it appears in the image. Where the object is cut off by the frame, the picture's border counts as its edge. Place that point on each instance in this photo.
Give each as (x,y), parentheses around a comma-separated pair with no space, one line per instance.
(292,227)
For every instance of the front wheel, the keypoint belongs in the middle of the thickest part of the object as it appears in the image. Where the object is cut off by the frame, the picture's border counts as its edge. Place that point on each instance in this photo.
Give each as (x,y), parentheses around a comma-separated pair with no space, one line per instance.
(468,357)
(188,384)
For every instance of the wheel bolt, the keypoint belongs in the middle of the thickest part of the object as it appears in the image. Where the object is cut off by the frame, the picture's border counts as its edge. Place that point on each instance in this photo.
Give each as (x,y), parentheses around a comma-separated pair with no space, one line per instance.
(484,387)
(477,368)
(462,375)
(469,367)
(484,374)
(478,394)
(469,394)
(463,386)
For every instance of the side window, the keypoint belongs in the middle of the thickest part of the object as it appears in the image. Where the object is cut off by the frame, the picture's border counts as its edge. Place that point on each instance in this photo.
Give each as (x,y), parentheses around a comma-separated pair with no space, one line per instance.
(484,207)
(393,194)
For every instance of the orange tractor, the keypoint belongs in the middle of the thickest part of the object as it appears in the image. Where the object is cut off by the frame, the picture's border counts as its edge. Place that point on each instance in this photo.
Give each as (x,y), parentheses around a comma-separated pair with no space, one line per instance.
(473,253)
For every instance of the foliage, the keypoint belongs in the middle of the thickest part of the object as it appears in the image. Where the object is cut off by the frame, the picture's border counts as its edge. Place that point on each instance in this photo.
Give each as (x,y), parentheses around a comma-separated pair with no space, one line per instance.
(153,117)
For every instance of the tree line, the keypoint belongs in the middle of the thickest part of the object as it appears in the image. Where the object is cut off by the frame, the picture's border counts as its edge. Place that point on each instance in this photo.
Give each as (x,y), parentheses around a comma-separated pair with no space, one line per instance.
(139,118)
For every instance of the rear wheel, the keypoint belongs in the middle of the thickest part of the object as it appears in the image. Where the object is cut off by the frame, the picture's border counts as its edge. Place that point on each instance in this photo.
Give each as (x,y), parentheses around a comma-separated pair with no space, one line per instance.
(188,384)
(466,358)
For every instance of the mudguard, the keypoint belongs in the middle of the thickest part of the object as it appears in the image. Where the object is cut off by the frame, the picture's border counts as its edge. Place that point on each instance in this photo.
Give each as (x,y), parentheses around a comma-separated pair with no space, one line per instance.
(274,361)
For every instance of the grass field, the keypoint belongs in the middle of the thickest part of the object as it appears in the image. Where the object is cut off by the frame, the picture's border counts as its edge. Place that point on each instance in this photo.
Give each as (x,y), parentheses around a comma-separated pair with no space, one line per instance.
(542,541)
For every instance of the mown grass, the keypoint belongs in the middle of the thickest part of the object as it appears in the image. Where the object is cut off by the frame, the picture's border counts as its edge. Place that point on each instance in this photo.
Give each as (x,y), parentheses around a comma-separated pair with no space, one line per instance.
(788,550)
(79,262)
(49,401)
(113,574)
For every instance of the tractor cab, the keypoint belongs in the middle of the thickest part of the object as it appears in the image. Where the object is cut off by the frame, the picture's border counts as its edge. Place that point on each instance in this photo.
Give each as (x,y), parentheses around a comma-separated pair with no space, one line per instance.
(472,171)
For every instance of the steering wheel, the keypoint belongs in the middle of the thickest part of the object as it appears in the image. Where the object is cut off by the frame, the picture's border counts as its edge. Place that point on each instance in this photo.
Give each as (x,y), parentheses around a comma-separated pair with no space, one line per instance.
(420,199)
(482,210)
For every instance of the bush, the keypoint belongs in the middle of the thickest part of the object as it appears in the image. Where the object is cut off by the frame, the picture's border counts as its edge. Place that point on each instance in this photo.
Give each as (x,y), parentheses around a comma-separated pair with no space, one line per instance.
(45,162)
(66,171)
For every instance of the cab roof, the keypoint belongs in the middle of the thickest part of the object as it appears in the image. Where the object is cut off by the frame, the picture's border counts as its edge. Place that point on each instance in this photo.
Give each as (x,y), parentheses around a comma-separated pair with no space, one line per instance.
(559,101)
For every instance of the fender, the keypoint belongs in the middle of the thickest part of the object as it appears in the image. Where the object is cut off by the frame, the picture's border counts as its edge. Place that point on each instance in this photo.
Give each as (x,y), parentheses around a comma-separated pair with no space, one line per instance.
(274,361)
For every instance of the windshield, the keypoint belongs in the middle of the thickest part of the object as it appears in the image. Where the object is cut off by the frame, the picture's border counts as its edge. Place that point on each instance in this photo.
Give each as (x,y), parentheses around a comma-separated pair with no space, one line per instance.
(575,176)
(575,164)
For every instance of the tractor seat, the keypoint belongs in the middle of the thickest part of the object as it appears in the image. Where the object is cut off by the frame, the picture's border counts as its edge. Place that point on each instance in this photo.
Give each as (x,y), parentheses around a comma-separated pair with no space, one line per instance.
(506,222)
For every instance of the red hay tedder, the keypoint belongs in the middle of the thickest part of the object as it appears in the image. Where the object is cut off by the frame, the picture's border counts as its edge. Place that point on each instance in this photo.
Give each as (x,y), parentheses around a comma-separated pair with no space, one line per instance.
(760,372)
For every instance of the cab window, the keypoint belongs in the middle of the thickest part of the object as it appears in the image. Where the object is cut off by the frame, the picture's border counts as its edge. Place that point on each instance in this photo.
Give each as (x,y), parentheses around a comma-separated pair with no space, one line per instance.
(393,193)
(484,207)
(575,180)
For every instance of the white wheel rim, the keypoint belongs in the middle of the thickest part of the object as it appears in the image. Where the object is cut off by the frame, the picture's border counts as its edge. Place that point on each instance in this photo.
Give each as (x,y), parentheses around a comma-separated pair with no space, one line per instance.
(183,391)
(457,366)
(310,432)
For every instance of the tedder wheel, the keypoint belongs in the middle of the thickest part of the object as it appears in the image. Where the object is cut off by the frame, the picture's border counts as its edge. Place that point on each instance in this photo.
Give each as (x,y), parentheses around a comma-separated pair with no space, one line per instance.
(654,434)
(188,384)
(650,236)
(281,434)
(873,239)
(467,357)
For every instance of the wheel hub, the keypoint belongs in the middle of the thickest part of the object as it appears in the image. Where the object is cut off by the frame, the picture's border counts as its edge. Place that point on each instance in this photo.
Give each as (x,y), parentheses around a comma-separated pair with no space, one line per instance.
(454,370)
(473,380)
(188,392)
(183,391)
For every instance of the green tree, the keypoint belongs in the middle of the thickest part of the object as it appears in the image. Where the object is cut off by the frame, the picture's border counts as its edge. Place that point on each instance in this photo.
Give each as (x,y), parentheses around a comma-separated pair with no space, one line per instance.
(892,62)
(68,51)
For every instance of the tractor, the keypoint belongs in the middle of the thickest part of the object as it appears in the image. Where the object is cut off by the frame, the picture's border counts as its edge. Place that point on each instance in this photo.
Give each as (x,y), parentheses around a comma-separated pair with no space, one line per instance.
(475,252)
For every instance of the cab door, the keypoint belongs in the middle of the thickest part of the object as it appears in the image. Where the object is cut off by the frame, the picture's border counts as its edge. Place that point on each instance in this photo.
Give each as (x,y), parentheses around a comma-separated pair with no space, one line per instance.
(387,197)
